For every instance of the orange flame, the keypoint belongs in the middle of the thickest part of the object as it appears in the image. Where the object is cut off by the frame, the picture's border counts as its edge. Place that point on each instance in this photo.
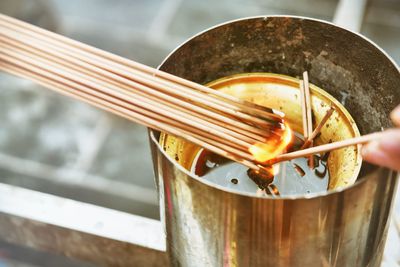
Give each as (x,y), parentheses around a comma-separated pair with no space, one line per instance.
(275,169)
(264,152)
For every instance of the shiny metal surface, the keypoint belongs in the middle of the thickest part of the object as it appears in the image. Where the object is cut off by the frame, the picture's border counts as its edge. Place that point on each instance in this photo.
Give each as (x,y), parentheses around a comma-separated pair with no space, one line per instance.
(209,226)
(282,93)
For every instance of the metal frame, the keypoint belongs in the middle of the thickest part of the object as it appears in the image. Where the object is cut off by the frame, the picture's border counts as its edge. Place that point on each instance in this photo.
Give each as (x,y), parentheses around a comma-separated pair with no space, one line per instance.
(79,230)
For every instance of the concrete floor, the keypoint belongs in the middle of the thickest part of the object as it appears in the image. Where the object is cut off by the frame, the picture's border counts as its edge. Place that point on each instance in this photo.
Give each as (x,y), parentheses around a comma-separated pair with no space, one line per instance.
(53,144)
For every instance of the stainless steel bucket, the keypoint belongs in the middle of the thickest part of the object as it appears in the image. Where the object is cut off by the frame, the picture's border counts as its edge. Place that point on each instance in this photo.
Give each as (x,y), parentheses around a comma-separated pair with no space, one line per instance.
(207,225)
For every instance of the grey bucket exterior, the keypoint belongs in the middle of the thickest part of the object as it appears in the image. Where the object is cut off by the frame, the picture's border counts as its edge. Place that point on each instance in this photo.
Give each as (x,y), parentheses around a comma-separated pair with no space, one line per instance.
(209,226)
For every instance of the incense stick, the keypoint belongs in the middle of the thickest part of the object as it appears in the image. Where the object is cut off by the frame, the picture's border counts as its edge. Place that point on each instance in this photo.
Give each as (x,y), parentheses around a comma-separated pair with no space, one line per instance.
(102,78)
(147,90)
(317,130)
(140,101)
(329,147)
(307,95)
(68,90)
(185,108)
(218,122)
(113,62)
(127,73)
(303,109)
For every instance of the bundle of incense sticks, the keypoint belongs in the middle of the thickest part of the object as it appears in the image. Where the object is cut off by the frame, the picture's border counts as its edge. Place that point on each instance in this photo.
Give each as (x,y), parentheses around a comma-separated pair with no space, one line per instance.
(218,122)
(209,118)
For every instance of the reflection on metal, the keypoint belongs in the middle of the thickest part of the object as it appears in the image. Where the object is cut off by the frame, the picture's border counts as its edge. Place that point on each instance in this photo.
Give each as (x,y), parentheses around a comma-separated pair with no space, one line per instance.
(79,230)
(207,225)
(281,93)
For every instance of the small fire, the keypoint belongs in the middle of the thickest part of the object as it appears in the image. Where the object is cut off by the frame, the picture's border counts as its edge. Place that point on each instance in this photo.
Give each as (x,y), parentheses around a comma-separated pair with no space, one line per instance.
(264,152)
(275,169)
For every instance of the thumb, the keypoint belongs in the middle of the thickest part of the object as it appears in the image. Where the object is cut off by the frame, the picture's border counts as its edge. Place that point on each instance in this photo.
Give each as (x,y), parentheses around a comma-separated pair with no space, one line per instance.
(395,115)
(384,152)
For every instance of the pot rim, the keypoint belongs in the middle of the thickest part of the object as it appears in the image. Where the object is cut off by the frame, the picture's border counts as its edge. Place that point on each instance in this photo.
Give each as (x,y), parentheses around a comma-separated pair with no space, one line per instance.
(245,194)
(278,16)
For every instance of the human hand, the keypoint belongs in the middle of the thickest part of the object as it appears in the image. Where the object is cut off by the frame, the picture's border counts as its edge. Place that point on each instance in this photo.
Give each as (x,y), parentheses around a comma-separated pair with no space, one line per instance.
(386,151)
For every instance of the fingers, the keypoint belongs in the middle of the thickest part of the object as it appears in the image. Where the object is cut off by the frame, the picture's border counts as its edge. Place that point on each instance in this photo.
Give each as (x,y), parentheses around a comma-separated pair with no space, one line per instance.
(385,152)
(395,115)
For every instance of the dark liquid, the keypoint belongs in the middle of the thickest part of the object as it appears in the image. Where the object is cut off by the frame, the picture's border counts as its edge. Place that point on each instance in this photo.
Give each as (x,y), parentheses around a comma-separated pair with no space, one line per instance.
(294,177)
(207,161)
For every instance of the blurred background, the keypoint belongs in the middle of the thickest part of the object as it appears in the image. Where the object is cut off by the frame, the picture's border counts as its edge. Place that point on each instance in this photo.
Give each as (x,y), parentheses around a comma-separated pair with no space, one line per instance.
(52,144)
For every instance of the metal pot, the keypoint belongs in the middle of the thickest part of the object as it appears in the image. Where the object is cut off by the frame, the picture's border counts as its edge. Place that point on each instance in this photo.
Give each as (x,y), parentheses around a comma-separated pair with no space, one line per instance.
(208,225)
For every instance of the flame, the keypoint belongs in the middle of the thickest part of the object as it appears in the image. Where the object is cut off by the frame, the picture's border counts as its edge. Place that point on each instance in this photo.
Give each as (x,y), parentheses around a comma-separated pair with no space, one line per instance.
(275,169)
(264,152)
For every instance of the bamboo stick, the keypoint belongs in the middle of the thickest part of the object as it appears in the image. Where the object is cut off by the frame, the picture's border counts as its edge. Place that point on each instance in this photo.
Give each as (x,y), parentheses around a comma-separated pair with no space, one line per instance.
(138,100)
(248,130)
(307,97)
(303,109)
(99,57)
(317,130)
(250,107)
(329,147)
(222,150)
(131,84)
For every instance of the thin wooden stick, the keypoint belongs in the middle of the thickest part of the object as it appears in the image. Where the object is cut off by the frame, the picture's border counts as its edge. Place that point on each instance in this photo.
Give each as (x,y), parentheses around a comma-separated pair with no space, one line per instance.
(51,49)
(303,109)
(218,122)
(317,130)
(80,50)
(329,147)
(131,84)
(307,95)
(230,124)
(245,105)
(144,102)
(131,115)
